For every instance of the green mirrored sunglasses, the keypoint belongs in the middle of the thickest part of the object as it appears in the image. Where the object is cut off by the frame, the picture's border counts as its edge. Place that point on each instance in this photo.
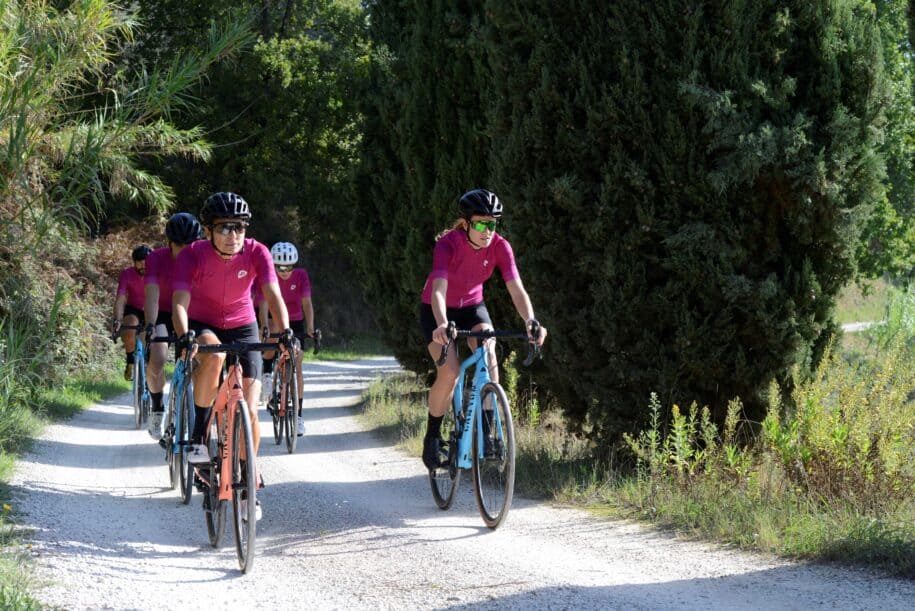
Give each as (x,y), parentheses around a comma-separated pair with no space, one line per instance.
(482,226)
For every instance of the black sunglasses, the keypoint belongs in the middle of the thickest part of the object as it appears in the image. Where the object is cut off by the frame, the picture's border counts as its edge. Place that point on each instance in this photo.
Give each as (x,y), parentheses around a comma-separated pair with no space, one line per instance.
(227,228)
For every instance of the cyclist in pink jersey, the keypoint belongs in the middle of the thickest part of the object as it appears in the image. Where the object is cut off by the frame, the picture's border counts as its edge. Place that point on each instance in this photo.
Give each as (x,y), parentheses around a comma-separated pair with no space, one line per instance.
(463,259)
(212,296)
(295,288)
(180,230)
(128,305)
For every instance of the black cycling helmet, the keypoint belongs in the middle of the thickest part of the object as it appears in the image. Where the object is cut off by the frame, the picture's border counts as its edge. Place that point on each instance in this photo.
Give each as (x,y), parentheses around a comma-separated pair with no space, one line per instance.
(139,253)
(480,202)
(224,205)
(182,228)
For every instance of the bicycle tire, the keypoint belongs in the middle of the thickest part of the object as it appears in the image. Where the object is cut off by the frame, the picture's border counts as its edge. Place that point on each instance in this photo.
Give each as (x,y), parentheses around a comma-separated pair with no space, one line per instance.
(214,509)
(446,479)
(137,393)
(168,439)
(245,525)
(273,406)
(292,406)
(494,477)
(184,468)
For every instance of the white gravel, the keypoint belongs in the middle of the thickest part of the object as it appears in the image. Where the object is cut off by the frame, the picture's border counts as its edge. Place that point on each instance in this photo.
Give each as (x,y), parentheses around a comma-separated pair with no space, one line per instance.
(349,522)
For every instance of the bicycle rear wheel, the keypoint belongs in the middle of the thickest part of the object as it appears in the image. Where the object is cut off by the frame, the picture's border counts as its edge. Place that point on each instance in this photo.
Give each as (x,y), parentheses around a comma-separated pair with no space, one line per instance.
(446,479)
(292,405)
(182,435)
(244,488)
(214,509)
(494,464)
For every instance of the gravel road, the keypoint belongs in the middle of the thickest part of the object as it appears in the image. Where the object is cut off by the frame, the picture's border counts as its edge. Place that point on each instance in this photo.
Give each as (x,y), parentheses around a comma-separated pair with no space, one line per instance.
(349,522)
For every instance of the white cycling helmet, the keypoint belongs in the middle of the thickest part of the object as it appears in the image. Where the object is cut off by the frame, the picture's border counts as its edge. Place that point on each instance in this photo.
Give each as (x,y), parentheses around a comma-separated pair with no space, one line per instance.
(284,253)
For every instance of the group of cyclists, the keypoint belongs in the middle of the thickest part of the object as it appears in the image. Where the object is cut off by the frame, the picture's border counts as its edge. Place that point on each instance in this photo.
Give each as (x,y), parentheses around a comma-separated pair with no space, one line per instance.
(224,286)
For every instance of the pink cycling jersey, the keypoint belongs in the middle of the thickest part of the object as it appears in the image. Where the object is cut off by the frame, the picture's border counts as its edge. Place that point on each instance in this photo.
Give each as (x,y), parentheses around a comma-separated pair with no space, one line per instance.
(160,271)
(130,283)
(466,269)
(221,288)
(294,289)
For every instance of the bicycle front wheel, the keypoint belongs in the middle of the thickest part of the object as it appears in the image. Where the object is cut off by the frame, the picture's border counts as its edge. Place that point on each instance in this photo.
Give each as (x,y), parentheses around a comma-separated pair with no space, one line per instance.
(182,435)
(213,508)
(137,393)
(494,463)
(244,488)
(292,405)
(446,478)
(168,439)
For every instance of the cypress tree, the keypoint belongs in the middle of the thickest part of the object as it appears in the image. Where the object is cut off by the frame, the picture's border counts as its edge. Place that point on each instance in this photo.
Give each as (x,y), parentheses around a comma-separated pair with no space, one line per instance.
(689,180)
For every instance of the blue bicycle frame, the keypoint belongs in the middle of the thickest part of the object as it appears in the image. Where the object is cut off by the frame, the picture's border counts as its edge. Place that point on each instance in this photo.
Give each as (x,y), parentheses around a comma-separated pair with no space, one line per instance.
(472,412)
(179,379)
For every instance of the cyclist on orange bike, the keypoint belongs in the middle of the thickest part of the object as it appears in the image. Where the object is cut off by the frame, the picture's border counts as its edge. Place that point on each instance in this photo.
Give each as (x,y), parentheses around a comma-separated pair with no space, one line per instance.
(128,305)
(180,230)
(212,296)
(295,287)
(464,257)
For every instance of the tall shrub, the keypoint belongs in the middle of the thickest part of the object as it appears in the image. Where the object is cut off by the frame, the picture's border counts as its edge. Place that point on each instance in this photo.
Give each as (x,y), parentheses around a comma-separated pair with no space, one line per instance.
(690,181)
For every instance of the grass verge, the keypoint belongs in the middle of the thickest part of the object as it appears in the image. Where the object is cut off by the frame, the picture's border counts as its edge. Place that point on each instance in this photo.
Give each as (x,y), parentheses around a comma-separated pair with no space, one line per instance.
(829,482)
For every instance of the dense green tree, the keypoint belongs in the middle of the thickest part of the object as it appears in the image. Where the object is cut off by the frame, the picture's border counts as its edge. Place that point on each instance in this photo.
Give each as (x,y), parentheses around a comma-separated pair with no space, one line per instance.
(283,121)
(685,184)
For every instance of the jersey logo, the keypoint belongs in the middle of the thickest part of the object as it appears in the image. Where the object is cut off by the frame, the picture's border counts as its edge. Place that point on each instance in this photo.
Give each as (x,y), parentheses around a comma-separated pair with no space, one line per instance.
(242,273)
(485,262)
(292,287)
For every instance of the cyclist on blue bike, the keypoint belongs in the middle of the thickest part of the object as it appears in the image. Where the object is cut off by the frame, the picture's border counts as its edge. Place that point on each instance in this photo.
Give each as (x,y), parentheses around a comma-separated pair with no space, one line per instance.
(128,305)
(464,257)
(180,230)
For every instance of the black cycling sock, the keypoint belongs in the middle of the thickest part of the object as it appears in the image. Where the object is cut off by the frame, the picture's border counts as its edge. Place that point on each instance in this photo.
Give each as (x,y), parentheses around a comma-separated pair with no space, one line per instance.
(268,365)
(156,401)
(434,426)
(201,417)
(130,358)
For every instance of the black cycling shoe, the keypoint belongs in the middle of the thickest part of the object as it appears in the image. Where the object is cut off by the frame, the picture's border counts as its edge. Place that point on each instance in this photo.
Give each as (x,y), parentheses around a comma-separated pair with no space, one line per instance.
(434,452)
(493,449)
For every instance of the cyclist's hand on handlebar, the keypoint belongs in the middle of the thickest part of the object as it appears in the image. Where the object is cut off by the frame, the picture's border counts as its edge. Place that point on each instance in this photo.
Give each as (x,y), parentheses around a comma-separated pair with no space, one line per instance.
(115,328)
(536,332)
(150,334)
(442,334)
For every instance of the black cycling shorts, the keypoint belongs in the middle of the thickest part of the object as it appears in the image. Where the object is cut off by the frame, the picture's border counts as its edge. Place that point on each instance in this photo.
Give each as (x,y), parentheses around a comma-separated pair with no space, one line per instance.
(165,318)
(251,362)
(465,318)
(129,309)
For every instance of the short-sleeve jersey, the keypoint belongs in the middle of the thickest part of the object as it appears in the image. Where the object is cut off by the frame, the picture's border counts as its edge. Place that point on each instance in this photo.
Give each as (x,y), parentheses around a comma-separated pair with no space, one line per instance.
(467,268)
(160,271)
(221,288)
(294,289)
(130,283)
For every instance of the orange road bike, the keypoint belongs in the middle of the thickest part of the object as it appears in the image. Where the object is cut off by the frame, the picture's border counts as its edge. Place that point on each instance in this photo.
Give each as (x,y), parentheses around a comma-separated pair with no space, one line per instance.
(231,475)
(283,402)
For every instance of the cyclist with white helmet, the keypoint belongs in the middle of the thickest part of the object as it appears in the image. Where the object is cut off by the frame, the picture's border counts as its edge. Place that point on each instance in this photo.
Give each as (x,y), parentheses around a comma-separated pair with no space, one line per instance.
(212,296)
(181,229)
(128,304)
(295,287)
(464,257)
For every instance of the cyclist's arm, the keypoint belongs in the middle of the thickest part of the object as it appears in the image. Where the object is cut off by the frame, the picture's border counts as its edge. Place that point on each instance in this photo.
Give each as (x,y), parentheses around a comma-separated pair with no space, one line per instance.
(151,303)
(262,312)
(523,304)
(276,304)
(309,312)
(439,310)
(180,302)
(119,304)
